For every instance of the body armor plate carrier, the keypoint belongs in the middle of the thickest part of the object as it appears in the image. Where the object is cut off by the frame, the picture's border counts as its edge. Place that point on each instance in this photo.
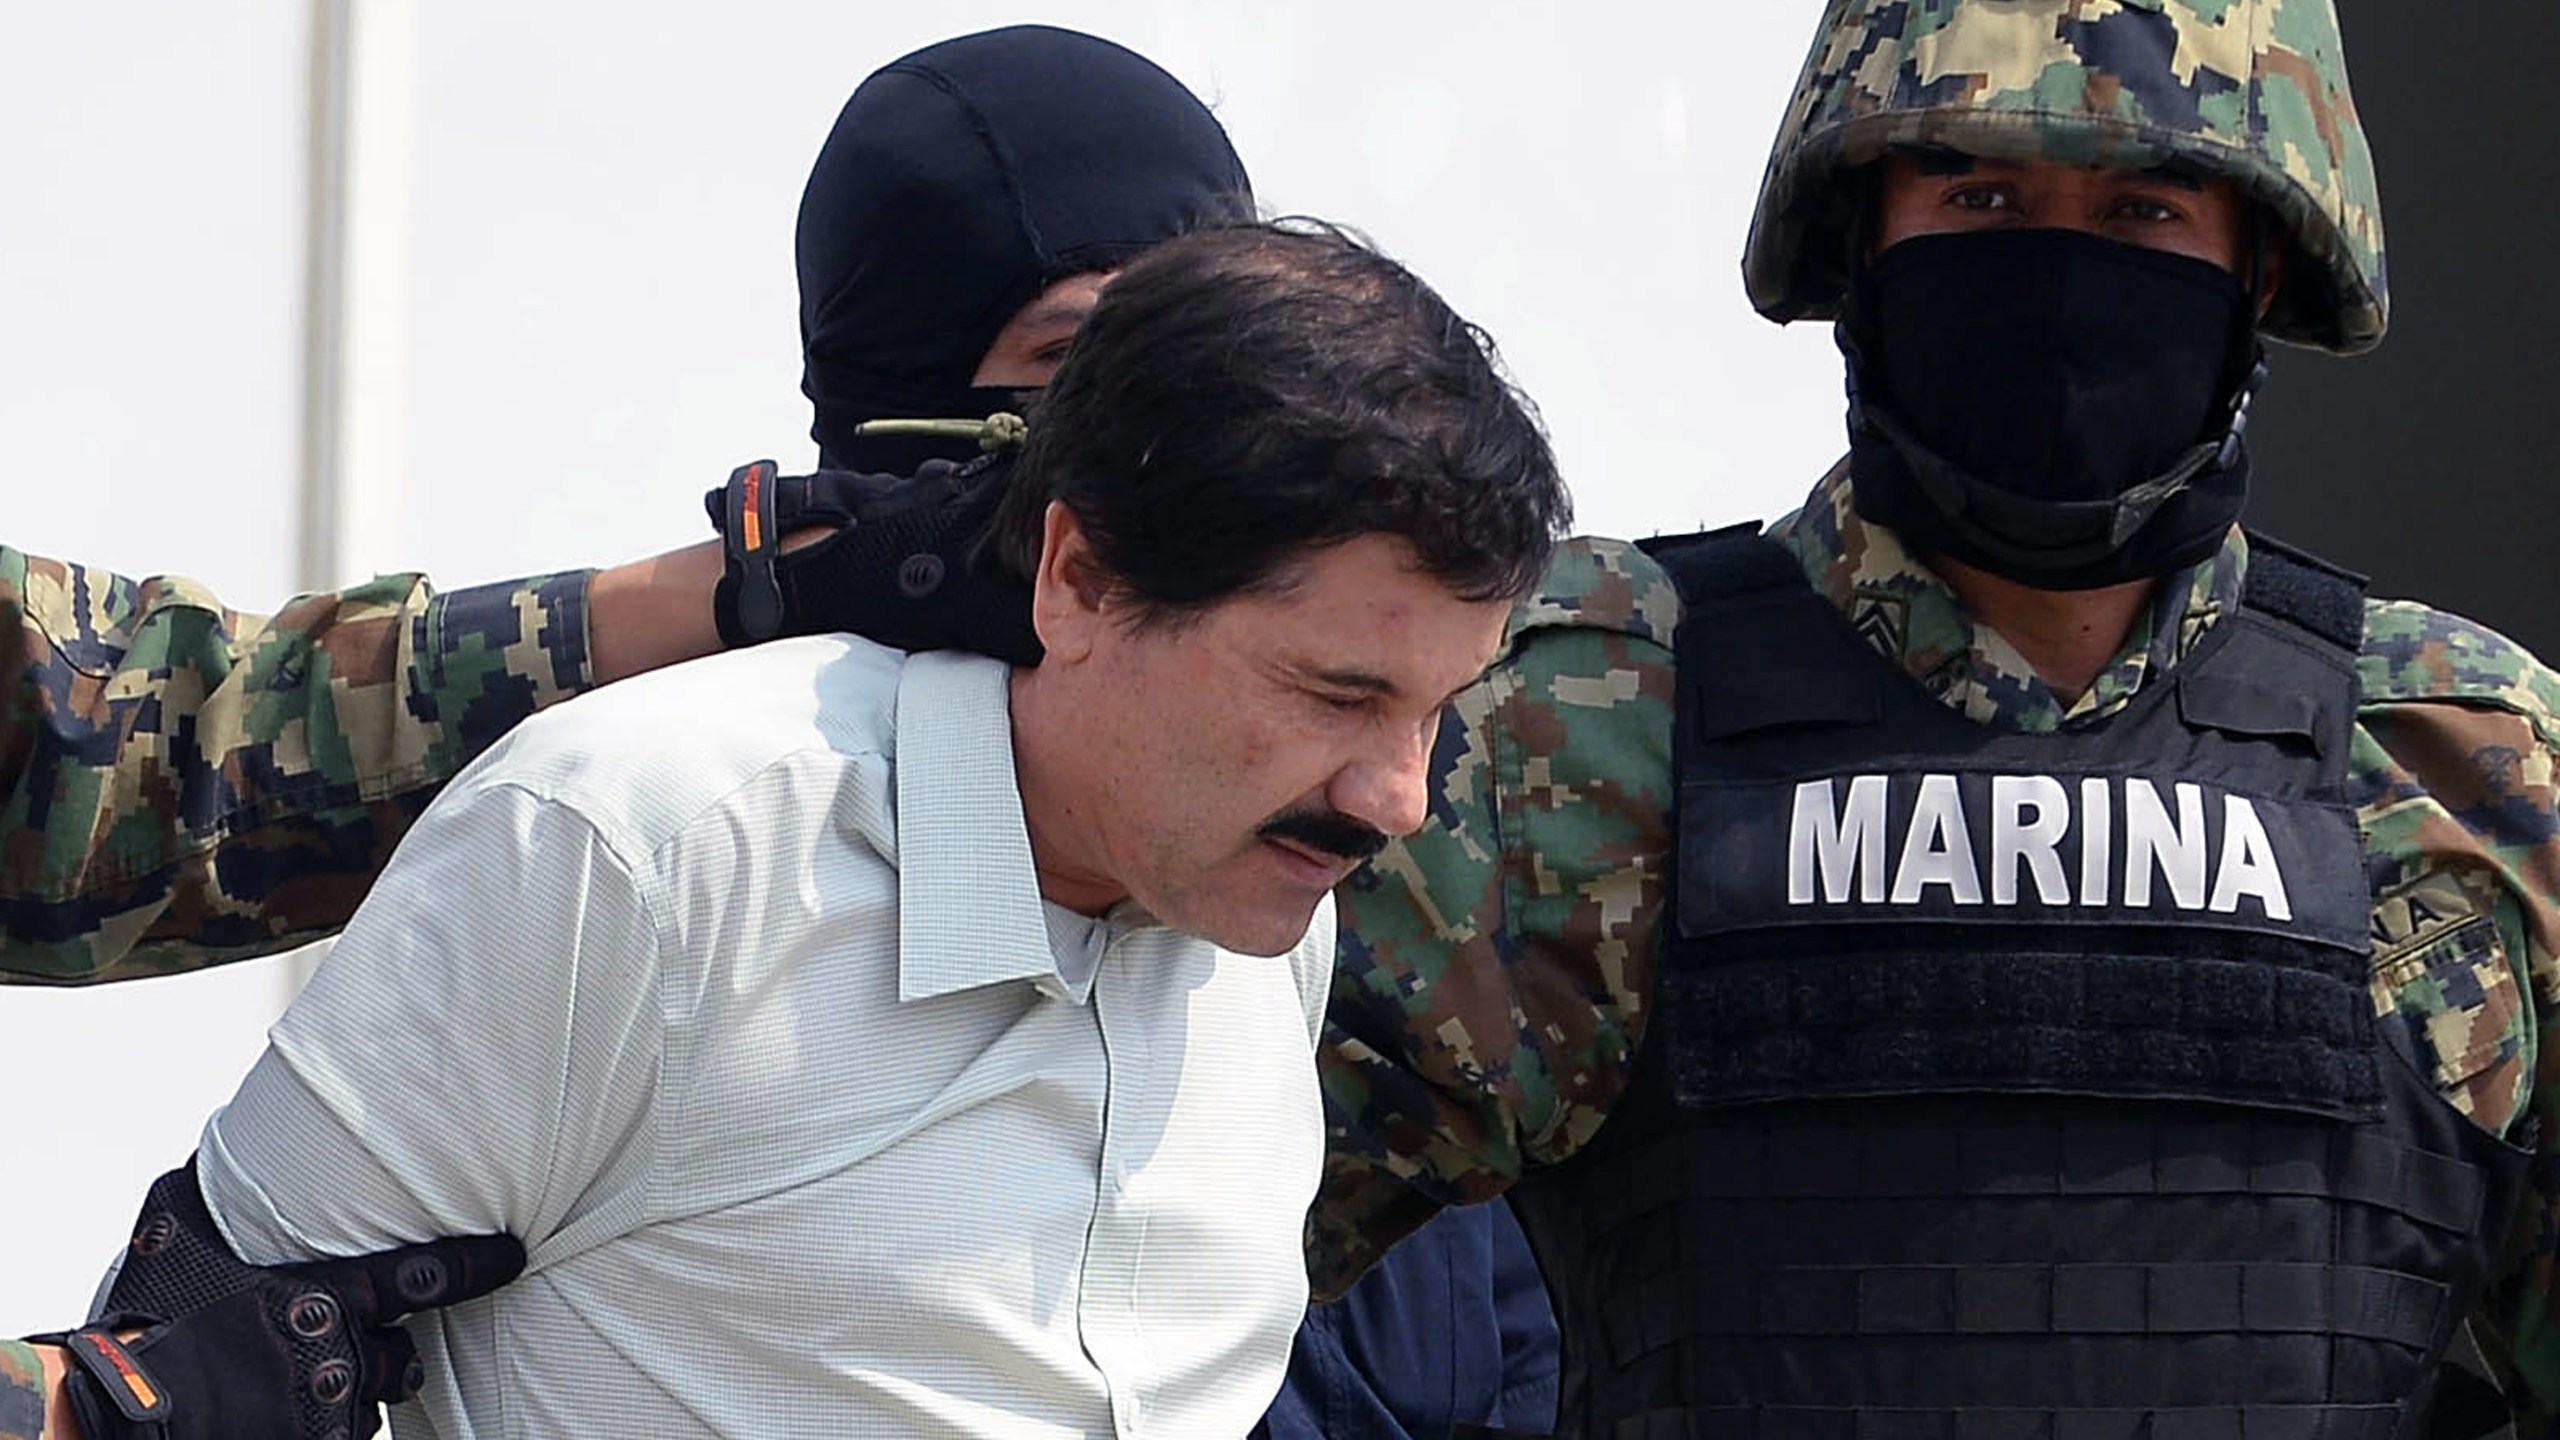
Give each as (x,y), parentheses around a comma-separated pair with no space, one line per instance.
(2007,1085)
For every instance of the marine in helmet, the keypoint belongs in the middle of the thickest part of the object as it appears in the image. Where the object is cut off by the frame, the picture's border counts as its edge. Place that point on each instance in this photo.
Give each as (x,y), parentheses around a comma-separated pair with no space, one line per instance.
(2050,961)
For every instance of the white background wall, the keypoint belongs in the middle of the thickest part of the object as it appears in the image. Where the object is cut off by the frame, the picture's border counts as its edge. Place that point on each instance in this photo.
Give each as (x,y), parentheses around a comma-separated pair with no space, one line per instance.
(583,315)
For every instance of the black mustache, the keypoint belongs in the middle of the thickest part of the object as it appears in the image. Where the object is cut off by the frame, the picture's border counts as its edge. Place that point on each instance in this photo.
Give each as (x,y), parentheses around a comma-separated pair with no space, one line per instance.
(1327,831)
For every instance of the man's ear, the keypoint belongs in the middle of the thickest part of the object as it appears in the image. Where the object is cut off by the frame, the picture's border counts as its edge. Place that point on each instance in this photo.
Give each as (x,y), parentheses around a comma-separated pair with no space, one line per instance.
(1071,593)
(2271,259)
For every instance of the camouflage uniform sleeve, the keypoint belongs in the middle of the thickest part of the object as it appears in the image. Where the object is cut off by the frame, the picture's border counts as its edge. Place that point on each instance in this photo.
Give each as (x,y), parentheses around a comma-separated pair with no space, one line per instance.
(2458,752)
(1490,984)
(22,1392)
(181,784)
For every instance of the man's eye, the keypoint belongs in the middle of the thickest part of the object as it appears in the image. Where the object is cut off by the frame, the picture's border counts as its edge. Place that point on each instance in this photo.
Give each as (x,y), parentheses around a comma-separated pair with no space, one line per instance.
(1978,197)
(2148,212)
(1347,704)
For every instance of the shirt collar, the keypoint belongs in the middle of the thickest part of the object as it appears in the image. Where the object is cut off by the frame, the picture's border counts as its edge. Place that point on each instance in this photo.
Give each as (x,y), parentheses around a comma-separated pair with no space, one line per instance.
(969,907)
(1901,607)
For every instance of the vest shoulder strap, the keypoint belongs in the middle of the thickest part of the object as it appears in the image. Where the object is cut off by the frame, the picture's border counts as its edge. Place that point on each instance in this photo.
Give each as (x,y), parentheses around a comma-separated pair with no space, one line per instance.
(2295,585)
(1724,564)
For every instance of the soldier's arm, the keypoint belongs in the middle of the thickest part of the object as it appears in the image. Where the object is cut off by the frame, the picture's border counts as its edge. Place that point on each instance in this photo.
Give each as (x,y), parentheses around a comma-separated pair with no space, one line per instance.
(1490,987)
(182,784)
(30,1392)
(2458,754)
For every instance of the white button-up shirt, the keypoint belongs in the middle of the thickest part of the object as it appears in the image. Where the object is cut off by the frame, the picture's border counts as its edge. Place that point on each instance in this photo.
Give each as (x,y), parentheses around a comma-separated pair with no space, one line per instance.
(730,991)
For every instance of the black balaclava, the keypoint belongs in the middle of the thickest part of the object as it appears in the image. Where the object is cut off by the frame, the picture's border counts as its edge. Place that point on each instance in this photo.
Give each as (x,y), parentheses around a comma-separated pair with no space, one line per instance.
(959,183)
(2054,407)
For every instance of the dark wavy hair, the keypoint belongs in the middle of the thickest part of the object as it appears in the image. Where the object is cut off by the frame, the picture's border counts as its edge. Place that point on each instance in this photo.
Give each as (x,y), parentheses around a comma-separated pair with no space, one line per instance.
(1249,393)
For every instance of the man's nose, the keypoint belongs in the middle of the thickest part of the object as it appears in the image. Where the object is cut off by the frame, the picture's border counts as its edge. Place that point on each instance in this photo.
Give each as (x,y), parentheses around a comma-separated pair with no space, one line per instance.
(1388,786)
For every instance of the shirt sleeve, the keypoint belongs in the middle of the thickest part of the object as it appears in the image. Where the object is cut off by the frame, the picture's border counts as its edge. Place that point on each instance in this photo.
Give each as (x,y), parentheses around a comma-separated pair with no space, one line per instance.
(480,1052)
(1491,979)
(182,784)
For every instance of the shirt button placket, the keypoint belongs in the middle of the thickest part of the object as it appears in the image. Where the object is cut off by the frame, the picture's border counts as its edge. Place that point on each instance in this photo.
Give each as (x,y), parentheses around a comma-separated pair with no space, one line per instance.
(1097,1293)
(1112,1261)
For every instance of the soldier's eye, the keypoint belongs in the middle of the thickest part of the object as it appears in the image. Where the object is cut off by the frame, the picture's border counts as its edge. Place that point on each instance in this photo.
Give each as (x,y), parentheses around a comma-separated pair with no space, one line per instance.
(1981,197)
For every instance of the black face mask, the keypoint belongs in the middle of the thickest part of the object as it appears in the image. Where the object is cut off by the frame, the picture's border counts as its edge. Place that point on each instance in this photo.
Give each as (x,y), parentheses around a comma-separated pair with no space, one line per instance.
(2053,407)
(957,184)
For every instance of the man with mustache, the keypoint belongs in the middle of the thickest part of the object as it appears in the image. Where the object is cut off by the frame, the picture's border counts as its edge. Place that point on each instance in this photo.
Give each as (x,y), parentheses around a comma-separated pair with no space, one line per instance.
(931,285)
(238,781)
(931,989)
(925,290)
(2049,962)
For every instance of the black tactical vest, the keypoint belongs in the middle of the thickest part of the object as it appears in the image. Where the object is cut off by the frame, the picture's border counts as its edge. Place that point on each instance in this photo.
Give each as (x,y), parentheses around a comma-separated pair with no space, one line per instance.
(2008,1085)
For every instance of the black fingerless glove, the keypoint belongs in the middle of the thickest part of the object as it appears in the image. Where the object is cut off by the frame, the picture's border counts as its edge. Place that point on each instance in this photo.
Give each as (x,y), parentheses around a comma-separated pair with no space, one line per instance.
(226,1349)
(899,569)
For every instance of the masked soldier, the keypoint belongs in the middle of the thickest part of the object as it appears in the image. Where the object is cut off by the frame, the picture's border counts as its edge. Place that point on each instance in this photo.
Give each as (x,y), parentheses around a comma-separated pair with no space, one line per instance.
(2051,962)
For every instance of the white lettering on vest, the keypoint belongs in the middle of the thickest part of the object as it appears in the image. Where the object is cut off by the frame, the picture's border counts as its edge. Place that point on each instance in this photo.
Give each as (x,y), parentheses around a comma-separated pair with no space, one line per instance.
(2248,864)
(1838,841)
(2036,843)
(2151,840)
(2097,830)
(1938,849)
(1846,844)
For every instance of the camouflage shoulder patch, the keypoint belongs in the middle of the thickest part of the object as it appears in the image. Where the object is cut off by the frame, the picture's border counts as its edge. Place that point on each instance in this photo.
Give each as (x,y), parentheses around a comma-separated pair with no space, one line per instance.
(2441,969)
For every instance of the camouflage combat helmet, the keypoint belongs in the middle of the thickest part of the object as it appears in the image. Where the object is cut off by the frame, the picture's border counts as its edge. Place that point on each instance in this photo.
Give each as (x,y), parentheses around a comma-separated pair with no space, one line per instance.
(2251,90)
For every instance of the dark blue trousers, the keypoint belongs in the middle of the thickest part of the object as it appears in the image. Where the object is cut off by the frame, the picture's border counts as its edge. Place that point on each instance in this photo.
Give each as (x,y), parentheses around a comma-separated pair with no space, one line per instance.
(1450,1336)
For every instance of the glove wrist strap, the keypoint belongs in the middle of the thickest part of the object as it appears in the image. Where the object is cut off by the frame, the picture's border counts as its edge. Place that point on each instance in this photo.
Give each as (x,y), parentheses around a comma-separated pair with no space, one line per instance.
(748,605)
(109,1390)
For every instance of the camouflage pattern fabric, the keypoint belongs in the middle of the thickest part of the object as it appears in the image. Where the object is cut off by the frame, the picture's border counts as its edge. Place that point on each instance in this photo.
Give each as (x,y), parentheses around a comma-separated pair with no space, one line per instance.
(1490,991)
(1494,970)
(22,1392)
(1907,612)
(181,784)
(2254,91)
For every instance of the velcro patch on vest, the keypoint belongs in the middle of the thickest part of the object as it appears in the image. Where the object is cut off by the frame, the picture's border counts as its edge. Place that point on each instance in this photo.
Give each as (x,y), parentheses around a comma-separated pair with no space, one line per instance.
(1918,1022)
